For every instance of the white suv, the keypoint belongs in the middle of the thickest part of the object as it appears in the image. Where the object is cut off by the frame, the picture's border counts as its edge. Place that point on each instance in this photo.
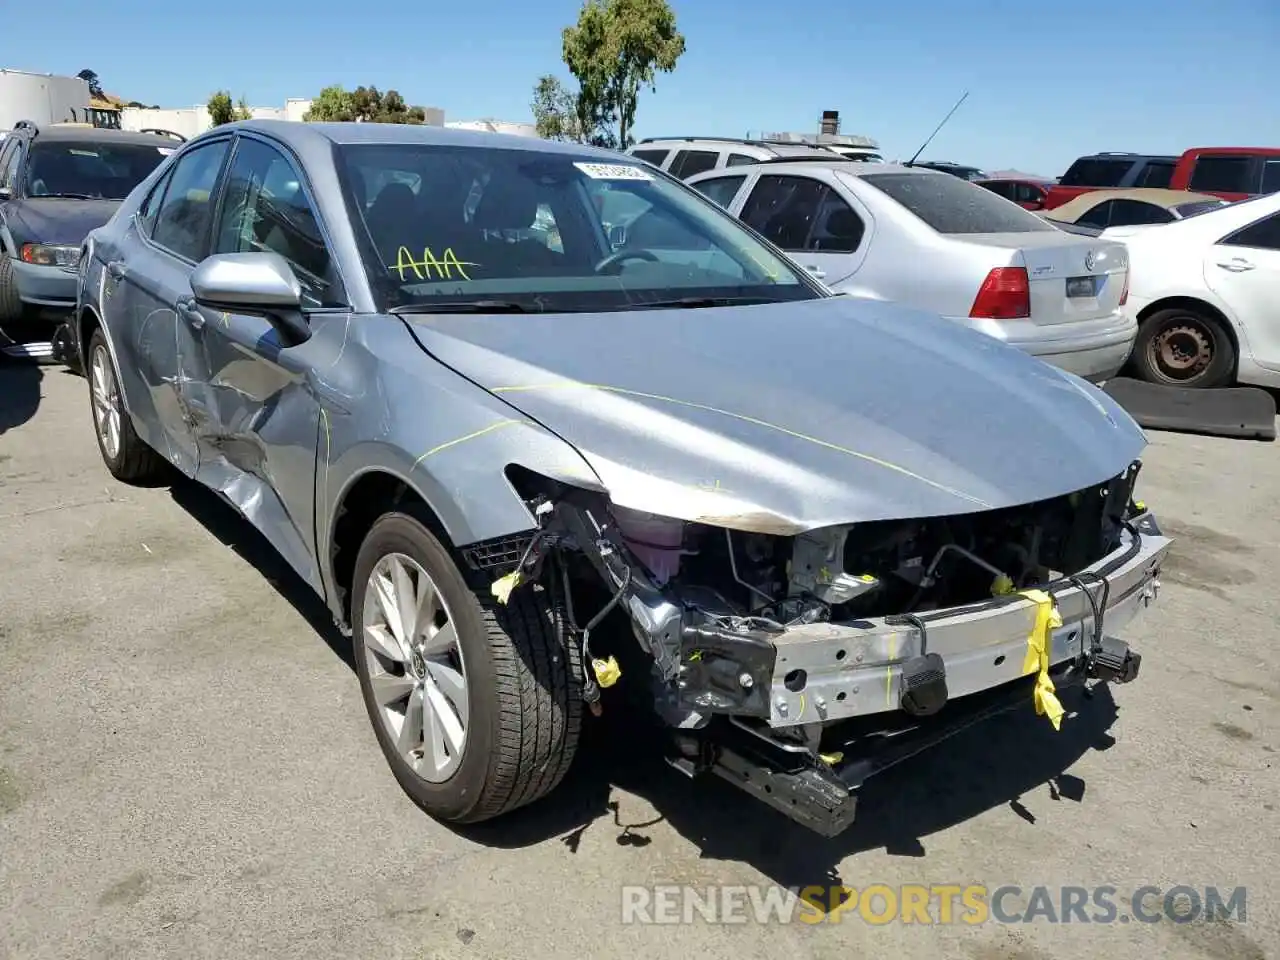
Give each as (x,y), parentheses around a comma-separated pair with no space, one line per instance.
(685,156)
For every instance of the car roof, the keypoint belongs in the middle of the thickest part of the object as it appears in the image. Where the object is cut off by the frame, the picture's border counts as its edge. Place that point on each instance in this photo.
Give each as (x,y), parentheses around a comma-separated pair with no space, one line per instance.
(1161,198)
(55,132)
(836,162)
(303,136)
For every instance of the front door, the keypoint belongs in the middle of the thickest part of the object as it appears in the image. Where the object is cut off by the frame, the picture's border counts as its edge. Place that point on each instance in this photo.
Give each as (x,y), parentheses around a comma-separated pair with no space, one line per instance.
(259,444)
(169,236)
(1244,270)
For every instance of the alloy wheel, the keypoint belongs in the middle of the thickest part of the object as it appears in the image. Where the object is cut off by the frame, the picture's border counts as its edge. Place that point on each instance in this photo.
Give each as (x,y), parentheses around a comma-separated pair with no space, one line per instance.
(416,670)
(106,402)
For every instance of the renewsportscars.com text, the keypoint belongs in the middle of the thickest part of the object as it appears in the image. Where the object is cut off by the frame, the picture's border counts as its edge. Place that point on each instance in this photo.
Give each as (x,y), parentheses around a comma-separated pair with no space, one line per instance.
(968,904)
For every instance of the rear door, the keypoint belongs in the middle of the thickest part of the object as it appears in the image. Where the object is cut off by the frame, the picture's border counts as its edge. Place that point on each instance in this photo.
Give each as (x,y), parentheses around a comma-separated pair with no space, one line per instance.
(815,224)
(173,236)
(260,439)
(1243,268)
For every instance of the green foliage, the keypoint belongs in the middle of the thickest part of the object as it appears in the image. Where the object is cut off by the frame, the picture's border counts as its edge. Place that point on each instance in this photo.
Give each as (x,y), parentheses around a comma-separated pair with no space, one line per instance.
(243,112)
(221,109)
(616,48)
(555,111)
(335,104)
(91,78)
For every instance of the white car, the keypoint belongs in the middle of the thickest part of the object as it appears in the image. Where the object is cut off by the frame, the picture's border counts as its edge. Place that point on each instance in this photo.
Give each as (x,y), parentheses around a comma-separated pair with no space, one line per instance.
(1205,293)
(940,243)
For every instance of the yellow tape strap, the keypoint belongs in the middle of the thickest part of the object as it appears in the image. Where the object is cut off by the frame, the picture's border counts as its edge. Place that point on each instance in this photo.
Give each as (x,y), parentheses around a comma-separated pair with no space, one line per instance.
(502,587)
(1039,642)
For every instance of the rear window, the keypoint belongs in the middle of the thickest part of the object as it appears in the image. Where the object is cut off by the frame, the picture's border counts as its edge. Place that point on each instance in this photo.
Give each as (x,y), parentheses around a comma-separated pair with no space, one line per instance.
(951,205)
(1096,172)
(1223,174)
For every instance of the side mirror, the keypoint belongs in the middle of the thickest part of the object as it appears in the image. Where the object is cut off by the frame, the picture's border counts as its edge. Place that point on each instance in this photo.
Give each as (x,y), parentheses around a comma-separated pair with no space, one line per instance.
(253,283)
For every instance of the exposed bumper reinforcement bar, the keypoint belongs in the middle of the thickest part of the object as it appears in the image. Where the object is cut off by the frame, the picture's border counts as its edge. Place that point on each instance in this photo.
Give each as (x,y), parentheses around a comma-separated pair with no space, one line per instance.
(824,797)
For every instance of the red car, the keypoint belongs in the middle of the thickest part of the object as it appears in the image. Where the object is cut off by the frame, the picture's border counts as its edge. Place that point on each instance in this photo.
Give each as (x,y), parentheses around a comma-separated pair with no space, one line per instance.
(1028,194)
(1232,173)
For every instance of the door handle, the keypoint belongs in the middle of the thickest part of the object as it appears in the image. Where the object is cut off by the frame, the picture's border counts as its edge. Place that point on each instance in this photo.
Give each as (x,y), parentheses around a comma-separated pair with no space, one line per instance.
(116,269)
(816,272)
(191,312)
(1236,265)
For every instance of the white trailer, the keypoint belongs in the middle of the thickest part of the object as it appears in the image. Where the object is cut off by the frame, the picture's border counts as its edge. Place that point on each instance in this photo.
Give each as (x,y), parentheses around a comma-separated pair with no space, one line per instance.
(42,98)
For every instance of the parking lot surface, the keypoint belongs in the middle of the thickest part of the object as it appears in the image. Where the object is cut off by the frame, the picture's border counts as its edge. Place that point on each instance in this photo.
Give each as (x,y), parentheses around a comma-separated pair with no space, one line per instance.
(186,767)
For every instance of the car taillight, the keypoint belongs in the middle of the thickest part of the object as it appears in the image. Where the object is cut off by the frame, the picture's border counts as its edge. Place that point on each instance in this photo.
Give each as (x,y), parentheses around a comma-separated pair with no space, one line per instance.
(1004,295)
(1124,291)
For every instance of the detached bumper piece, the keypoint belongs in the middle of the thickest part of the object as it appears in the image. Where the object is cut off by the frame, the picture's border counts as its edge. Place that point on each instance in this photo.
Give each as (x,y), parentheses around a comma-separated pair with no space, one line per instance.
(823,796)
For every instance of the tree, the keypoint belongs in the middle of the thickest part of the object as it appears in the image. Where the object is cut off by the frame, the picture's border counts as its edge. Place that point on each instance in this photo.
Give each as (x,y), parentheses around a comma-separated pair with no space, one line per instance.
(555,110)
(366,104)
(221,109)
(615,48)
(243,110)
(91,78)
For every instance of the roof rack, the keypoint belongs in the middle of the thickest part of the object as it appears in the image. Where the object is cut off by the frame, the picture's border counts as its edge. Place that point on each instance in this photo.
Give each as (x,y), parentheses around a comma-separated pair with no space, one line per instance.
(752,142)
(27,125)
(157,131)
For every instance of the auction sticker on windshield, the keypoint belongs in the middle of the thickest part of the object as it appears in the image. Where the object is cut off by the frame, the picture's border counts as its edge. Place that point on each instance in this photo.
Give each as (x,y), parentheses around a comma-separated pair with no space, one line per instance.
(612,171)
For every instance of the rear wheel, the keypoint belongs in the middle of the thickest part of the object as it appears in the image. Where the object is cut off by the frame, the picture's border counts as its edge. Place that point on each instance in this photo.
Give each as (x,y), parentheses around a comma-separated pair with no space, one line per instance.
(1184,347)
(125,454)
(476,707)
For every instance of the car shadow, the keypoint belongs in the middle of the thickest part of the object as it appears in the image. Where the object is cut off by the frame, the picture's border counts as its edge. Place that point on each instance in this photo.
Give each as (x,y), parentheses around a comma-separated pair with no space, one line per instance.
(19,393)
(996,763)
(221,519)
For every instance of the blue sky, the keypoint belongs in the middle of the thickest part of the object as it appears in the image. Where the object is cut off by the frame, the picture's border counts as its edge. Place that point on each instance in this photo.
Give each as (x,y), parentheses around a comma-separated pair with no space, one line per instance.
(1046,83)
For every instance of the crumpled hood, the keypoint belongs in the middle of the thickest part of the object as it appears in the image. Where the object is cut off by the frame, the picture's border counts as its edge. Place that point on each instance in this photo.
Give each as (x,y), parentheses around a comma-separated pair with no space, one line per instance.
(60,221)
(793,416)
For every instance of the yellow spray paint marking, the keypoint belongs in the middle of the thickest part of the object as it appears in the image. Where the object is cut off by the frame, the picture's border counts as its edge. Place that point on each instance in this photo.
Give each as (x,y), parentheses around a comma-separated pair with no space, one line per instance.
(1037,658)
(470,436)
(888,670)
(422,269)
(746,419)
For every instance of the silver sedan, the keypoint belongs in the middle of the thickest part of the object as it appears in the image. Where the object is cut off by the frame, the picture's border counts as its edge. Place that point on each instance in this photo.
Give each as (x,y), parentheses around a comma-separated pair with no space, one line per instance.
(494,397)
(937,242)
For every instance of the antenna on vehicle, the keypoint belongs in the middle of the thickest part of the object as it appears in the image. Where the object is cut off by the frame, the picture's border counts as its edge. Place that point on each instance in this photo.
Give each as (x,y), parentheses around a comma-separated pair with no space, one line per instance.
(915,155)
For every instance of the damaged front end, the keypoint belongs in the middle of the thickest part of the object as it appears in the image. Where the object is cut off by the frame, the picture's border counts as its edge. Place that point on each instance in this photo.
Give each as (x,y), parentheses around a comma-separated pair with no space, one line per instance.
(799,666)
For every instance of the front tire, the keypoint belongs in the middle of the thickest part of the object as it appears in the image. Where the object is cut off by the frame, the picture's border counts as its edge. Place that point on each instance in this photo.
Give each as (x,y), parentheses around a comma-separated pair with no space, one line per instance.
(10,303)
(125,454)
(477,707)
(1184,347)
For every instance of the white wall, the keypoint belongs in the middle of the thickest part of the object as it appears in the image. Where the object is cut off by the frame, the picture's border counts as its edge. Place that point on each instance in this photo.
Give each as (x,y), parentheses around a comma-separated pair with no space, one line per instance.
(41,98)
(516,128)
(190,121)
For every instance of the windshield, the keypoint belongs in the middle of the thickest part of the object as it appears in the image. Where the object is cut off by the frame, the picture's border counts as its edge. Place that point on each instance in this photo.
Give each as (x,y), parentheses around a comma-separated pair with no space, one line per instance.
(88,170)
(547,231)
(951,205)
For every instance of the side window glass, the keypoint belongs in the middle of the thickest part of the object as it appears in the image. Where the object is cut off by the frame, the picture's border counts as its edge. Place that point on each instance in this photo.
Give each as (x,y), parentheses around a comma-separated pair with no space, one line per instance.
(651,156)
(720,190)
(9,161)
(1099,216)
(1271,176)
(1222,174)
(1158,173)
(739,160)
(151,205)
(266,210)
(836,228)
(1127,212)
(783,209)
(186,213)
(689,162)
(1263,234)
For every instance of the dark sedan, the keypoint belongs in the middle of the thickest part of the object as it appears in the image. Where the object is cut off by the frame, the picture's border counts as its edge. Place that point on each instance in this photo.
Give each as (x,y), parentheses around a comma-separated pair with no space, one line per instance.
(57,183)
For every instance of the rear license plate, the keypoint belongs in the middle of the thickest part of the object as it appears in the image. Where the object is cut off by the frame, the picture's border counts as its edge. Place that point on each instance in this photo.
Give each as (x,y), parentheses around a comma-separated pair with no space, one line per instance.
(1082,287)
